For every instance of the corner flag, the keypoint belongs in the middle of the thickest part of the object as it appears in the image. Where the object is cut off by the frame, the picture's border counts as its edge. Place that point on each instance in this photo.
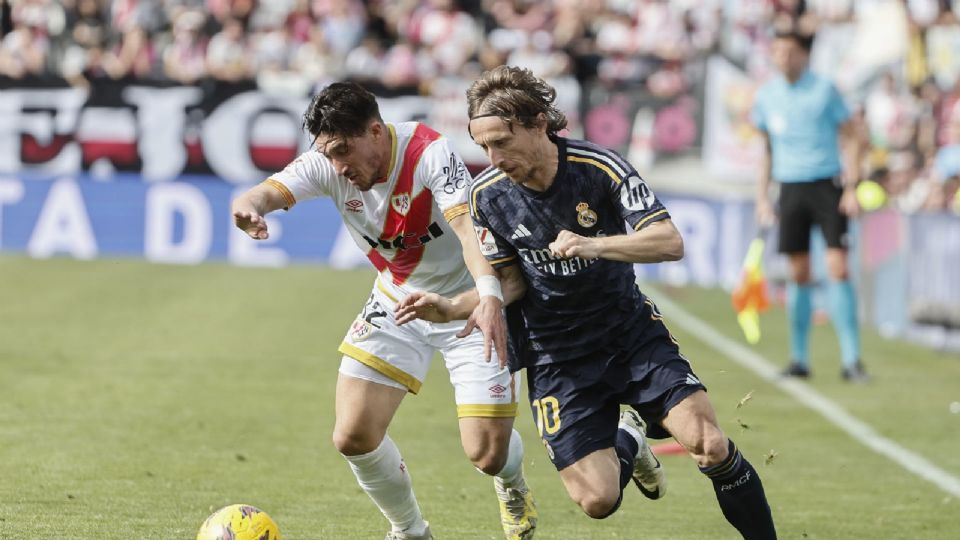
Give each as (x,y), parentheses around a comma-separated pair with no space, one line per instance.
(750,296)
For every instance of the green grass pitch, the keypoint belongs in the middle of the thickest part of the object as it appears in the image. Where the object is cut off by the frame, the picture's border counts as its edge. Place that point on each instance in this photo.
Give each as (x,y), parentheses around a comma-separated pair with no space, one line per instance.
(136,398)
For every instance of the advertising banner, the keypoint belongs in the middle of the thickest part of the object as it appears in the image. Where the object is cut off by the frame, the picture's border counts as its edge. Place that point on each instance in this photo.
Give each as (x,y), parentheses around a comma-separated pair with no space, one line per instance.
(232,131)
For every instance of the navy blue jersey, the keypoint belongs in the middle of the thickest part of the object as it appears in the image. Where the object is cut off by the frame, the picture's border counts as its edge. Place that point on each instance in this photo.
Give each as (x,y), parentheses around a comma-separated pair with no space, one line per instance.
(573,307)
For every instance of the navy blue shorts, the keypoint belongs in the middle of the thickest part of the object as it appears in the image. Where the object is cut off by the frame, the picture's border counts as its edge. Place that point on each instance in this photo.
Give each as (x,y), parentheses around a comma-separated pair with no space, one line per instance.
(576,404)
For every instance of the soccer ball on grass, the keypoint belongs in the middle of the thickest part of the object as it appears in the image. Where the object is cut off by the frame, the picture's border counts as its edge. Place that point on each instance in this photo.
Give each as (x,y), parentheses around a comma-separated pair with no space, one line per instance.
(239,522)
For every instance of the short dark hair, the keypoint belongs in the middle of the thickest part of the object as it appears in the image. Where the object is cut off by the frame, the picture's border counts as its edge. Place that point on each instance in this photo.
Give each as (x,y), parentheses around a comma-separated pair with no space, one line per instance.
(343,109)
(803,39)
(514,93)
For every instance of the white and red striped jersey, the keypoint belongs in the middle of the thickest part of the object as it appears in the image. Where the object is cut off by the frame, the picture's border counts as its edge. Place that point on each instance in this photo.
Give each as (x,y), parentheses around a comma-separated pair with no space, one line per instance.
(401,223)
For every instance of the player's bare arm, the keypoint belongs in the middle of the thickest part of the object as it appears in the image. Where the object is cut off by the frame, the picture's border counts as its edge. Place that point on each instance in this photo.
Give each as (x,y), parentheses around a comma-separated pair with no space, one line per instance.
(250,208)
(487,313)
(657,242)
(436,308)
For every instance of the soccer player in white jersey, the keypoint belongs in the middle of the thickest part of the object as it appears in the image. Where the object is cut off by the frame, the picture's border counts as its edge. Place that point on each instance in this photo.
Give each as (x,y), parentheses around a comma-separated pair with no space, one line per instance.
(402,193)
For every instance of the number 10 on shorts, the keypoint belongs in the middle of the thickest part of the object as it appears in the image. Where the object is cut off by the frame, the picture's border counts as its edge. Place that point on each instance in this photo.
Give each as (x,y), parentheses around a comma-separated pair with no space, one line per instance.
(548,415)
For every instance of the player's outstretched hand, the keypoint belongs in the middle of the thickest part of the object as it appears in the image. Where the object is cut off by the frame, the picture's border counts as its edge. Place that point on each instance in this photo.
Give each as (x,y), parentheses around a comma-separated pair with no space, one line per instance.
(251,223)
(488,317)
(568,245)
(426,306)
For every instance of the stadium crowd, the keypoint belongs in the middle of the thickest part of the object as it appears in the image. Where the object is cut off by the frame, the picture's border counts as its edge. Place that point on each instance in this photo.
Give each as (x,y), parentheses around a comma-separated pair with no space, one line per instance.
(906,98)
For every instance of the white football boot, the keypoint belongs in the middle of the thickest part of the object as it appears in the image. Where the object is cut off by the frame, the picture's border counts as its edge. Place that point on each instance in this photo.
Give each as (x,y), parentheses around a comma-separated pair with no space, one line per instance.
(648,474)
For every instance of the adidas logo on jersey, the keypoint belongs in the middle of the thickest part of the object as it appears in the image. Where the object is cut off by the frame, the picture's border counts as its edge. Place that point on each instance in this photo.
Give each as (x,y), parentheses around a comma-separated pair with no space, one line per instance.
(521,232)
(693,381)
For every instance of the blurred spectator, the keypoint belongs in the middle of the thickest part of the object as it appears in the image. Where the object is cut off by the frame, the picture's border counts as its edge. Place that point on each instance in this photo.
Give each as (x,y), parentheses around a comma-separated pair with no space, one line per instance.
(450,35)
(946,165)
(832,10)
(145,14)
(924,12)
(300,22)
(948,103)
(134,55)
(661,31)
(314,60)
(891,115)
(364,62)
(184,60)
(404,66)
(522,15)
(24,49)
(241,10)
(343,23)
(928,110)
(87,21)
(271,49)
(538,55)
(943,52)
(227,53)
(569,27)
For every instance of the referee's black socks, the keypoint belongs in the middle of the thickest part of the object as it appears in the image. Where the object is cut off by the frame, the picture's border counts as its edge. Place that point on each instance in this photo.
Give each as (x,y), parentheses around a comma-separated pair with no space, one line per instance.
(741,497)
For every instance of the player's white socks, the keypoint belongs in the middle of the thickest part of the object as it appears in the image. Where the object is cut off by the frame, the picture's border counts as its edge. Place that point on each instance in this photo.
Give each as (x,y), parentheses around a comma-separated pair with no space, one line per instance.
(513,469)
(383,475)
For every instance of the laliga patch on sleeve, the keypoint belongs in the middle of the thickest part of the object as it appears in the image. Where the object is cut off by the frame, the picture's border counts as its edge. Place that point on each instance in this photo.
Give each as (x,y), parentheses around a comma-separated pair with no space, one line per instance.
(488,246)
(635,195)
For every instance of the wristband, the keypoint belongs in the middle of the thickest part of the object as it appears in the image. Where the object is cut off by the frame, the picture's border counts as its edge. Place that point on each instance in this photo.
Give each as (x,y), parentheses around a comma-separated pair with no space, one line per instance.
(489,286)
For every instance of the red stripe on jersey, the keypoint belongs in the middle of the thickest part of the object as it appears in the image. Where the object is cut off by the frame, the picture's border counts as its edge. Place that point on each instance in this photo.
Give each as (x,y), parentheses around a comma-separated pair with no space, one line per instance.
(377,259)
(422,137)
(418,219)
(415,221)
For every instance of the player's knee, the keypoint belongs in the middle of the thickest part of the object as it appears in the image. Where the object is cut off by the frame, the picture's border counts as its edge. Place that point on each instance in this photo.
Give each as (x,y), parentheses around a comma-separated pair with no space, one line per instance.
(488,459)
(353,443)
(712,449)
(599,505)
(596,499)
(489,465)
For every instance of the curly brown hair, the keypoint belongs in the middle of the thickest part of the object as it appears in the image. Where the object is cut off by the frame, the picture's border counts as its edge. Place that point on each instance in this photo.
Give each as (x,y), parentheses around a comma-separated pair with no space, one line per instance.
(514,94)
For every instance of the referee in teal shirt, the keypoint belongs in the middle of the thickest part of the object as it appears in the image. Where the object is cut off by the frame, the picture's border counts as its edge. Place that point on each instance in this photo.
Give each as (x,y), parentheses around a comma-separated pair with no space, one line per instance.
(803,121)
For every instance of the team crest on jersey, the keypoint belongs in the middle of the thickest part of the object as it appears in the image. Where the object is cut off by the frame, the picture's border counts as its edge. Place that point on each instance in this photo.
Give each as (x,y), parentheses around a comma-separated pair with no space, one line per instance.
(360,330)
(488,246)
(401,203)
(585,216)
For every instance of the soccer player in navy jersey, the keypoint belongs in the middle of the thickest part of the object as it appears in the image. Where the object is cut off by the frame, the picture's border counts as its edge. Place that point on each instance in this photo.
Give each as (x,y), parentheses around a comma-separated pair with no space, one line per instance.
(550,215)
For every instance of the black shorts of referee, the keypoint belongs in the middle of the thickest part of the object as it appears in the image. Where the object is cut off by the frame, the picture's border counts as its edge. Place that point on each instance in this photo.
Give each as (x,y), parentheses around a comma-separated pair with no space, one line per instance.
(803,204)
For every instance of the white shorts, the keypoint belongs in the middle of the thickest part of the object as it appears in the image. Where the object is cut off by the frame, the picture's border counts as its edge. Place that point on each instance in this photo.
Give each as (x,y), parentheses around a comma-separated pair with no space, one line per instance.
(376,349)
